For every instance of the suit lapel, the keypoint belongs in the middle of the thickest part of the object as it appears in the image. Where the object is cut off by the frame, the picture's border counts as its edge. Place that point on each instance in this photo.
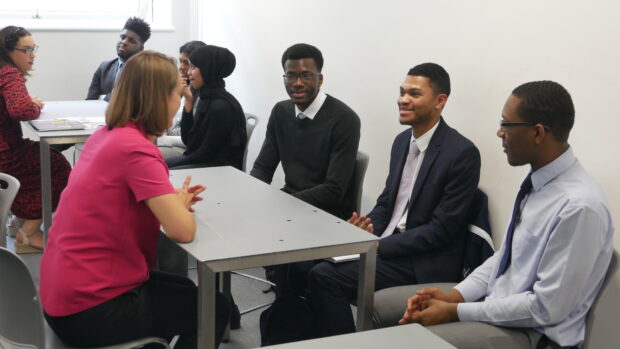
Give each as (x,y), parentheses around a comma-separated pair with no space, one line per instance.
(434,148)
(395,184)
(111,76)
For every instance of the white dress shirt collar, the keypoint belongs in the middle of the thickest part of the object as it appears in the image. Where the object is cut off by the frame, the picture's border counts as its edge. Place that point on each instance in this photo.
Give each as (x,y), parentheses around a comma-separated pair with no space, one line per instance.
(553,169)
(314,107)
(424,140)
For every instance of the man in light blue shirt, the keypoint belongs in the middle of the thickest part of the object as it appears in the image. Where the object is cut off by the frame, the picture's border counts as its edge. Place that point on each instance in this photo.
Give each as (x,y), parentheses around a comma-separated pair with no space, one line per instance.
(550,267)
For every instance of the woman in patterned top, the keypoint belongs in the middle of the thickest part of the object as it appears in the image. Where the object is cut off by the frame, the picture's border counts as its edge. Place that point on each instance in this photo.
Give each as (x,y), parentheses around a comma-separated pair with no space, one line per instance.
(20,157)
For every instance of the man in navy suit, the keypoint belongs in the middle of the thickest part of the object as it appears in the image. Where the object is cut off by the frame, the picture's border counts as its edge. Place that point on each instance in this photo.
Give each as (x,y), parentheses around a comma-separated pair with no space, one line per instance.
(135,33)
(422,214)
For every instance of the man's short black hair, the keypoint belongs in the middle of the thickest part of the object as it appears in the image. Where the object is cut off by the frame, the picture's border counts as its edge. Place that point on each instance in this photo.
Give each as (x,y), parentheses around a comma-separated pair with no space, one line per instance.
(190,46)
(438,76)
(140,27)
(300,51)
(548,103)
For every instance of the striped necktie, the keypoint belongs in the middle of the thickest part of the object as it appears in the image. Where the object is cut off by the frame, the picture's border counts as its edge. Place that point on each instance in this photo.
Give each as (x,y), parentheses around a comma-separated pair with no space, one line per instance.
(526,186)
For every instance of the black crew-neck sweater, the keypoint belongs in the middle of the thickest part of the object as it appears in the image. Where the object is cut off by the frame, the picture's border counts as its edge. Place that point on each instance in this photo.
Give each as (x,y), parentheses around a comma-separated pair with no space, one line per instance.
(317,155)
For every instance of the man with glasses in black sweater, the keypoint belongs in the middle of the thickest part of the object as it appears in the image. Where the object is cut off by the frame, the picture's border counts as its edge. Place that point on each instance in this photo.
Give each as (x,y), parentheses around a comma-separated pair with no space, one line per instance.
(314,135)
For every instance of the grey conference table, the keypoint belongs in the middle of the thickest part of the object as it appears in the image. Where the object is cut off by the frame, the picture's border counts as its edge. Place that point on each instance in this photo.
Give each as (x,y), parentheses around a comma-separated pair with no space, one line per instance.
(412,335)
(245,223)
(91,113)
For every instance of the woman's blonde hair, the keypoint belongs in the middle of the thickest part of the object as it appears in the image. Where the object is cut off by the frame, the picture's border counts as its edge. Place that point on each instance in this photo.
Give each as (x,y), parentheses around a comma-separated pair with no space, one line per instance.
(141,93)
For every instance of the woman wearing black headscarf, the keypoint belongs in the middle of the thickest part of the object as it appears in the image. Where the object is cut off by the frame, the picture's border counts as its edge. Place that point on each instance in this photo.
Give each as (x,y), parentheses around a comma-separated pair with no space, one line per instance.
(215,133)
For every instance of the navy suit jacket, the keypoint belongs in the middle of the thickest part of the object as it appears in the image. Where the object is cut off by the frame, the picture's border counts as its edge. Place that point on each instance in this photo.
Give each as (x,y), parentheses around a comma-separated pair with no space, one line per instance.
(441,198)
(103,80)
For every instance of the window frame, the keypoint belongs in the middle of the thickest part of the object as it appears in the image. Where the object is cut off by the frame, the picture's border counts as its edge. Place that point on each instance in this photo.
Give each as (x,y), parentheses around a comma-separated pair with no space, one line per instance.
(158,13)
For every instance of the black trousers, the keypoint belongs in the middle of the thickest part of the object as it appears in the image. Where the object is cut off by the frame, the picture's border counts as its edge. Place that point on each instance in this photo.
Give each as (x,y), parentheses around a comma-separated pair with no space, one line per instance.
(334,285)
(183,162)
(164,306)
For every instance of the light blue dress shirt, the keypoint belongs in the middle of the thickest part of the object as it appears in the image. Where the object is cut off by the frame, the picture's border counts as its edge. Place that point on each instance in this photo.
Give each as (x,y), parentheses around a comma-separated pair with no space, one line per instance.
(561,251)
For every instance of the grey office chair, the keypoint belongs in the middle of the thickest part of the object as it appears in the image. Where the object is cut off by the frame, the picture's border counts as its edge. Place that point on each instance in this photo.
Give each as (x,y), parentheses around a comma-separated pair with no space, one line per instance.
(9,186)
(251,121)
(361,165)
(21,320)
(601,325)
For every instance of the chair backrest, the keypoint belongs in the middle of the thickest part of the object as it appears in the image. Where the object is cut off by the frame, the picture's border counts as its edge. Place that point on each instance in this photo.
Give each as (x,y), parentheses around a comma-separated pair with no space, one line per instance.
(251,121)
(601,326)
(479,240)
(21,317)
(9,186)
(361,165)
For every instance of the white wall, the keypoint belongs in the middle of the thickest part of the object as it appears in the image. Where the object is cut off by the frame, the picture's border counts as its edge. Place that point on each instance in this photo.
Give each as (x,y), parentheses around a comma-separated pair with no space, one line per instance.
(488,47)
(66,60)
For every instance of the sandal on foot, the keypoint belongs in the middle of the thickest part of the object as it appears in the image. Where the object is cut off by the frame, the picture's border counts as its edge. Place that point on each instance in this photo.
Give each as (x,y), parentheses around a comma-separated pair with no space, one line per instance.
(25,245)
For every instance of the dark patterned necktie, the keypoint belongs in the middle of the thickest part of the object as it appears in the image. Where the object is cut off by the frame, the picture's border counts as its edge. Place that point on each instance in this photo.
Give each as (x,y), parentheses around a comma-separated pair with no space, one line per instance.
(118,71)
(526,186)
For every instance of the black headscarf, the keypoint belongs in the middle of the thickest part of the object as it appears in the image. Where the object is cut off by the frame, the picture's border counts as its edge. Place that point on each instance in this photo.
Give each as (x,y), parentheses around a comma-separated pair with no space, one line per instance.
(216,63)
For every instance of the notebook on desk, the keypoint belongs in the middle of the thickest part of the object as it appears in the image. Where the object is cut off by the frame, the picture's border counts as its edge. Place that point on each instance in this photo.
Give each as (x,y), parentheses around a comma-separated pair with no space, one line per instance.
(57,125)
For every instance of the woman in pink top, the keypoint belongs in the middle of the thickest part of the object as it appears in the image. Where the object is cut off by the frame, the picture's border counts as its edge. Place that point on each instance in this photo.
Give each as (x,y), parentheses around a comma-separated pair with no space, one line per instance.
(97,288)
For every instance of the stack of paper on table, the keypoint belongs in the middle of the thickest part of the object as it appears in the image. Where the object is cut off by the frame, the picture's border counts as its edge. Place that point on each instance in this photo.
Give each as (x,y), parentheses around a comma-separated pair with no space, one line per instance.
(347,258)
(57,124)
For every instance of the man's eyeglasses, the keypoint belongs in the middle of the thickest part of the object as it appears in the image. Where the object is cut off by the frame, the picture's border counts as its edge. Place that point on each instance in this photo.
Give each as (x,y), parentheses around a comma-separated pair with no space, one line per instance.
(503,125)
(28,50)
(305,77)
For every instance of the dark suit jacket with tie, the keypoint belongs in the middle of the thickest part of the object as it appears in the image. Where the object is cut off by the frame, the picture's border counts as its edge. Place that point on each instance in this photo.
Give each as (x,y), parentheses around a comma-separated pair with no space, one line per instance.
(103,79)
(441,200)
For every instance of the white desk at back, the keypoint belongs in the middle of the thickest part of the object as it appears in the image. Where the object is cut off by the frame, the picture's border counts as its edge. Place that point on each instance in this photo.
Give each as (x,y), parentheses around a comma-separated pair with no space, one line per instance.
(245,223)
(91,113)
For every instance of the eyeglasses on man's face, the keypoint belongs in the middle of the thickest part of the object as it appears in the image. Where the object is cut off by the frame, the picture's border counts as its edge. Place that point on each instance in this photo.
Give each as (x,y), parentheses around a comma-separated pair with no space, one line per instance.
(305,77)
(29,50)
(503,125)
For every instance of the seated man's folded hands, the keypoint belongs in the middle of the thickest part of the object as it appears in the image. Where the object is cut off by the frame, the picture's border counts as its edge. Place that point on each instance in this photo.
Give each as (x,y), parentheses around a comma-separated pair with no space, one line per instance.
(432,306)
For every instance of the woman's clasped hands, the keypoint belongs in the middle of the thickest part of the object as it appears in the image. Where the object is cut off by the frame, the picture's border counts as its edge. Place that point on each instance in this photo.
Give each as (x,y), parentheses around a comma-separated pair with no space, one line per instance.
(189,194)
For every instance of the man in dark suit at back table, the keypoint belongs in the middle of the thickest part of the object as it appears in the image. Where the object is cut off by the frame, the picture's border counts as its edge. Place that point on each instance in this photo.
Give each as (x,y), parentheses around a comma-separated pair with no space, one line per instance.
(314,135)
(423,212)
(135,33)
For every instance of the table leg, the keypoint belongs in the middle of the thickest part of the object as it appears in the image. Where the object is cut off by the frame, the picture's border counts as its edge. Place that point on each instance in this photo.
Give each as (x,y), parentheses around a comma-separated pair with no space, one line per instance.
(226,291)
(46,187)
(366,288)
(206,307)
